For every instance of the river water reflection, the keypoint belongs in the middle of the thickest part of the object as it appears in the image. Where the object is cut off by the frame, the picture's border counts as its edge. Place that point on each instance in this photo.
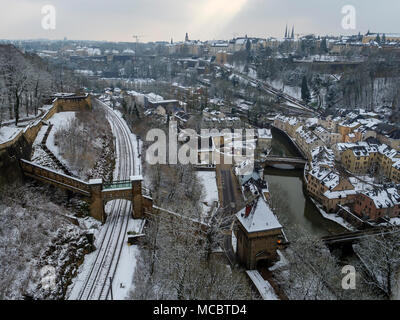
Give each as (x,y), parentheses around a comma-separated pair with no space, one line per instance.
(302,211)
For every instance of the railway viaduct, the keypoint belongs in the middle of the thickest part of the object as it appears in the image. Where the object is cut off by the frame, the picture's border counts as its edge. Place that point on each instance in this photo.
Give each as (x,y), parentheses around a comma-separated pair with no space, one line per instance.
(351,237)
(95,192)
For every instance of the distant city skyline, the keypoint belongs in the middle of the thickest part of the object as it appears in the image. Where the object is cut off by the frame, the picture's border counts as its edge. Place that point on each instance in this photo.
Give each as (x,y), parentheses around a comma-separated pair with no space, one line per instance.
(161,20)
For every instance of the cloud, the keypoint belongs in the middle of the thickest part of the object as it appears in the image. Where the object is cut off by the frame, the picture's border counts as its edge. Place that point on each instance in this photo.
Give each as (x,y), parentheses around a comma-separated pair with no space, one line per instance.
(118,20)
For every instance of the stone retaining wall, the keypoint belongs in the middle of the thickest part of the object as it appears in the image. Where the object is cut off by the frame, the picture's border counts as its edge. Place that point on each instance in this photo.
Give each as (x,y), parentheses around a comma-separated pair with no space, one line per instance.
(20,147)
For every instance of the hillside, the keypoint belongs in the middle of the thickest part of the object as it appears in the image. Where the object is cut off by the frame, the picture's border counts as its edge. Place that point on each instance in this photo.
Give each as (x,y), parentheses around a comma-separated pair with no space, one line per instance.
(24,80)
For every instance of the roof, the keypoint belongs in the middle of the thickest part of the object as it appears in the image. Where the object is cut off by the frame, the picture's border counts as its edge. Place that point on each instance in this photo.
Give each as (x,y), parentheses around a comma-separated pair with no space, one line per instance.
(327,177)
(323,156)
(264,133)
(384,198)
(261,218)
(254,175)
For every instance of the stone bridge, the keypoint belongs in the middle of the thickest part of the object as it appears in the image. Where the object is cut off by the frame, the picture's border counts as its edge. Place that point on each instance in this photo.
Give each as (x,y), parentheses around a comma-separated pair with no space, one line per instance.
(94,191)
(276,160)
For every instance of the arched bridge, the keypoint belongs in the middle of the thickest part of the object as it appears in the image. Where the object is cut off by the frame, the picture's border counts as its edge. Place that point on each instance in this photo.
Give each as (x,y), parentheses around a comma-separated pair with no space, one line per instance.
(351,237)
(293,161)
(94,191)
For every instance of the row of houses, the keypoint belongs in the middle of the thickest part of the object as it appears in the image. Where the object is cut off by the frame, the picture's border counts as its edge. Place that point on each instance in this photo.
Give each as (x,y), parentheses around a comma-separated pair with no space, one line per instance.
(363,158)
(332,189)
(326,143)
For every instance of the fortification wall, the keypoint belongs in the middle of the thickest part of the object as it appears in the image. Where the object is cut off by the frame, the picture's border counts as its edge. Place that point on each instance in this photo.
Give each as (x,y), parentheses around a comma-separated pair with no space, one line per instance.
(20,147)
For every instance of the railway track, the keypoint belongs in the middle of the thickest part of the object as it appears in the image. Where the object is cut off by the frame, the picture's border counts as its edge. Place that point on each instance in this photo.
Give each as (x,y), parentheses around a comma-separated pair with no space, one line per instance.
(270,89)
(96,284)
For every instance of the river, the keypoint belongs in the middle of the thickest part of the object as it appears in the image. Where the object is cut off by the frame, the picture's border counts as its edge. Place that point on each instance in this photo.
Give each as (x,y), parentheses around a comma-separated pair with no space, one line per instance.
(302,211)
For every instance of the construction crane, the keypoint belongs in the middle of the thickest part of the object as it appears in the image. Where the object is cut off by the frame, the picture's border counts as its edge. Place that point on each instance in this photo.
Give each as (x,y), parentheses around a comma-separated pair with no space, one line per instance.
(137,37)
(137,41)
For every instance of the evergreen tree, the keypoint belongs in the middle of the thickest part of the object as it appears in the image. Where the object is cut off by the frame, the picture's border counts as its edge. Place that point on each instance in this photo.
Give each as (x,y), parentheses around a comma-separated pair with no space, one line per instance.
(324,46)
(384,38)
(378,39)
(305,92)
(248,45)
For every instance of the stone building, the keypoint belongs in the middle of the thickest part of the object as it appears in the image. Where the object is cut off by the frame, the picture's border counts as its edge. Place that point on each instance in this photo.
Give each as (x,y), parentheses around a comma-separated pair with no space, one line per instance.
(259,234)
(376,204)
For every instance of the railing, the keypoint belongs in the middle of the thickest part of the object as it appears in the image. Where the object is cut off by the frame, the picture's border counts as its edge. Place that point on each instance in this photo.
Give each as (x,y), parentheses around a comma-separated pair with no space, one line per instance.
(121,184)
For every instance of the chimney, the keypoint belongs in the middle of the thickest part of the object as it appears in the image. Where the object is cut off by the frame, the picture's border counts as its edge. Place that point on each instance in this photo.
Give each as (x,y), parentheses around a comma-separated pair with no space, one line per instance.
(248,210)
(261,172)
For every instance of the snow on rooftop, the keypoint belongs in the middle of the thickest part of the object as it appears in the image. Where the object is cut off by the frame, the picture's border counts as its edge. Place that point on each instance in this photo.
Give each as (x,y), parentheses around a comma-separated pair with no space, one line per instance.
(384,198)
(261,218)
(264,134)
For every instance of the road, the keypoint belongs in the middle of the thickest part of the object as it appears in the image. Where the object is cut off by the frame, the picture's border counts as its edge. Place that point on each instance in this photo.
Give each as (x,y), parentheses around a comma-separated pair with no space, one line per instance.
(229,193)
(93,283)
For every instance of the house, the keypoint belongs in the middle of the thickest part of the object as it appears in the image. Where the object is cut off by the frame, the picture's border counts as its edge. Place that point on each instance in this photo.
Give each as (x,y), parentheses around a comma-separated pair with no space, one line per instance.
(376,204)
(307,141)
(259,234)
(395,175)
(359,159)
(264,139)
(329,188)
(346,128)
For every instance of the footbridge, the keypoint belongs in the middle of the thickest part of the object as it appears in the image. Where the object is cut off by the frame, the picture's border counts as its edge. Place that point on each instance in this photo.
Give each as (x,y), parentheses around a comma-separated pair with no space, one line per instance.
(276,160)
(95,191)
(351,237)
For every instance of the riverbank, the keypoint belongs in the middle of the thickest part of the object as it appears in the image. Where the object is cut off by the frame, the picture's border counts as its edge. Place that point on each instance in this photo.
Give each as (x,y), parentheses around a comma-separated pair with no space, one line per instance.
(290,149)
(302,211)
(333,217)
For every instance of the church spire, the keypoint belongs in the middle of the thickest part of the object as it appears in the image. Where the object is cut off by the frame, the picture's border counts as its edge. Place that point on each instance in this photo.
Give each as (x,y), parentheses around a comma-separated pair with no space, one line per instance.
(187,37)
(292,32)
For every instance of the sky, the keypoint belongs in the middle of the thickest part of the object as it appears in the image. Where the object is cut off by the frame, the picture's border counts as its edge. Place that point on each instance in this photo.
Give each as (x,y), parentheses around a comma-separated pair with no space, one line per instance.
(161,20)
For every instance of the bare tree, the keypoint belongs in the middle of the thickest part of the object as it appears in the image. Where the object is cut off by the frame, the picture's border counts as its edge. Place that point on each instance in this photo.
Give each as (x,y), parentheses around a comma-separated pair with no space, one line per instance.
(380,257)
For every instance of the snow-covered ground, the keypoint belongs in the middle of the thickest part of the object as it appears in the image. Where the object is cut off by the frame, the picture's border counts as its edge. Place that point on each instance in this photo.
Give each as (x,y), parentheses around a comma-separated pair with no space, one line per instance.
(281,263)
(334,217)
(123,279)
(8,133)
(234,242)
(295,92)
(209,181)
(39,156)
(265,289)
(59,120)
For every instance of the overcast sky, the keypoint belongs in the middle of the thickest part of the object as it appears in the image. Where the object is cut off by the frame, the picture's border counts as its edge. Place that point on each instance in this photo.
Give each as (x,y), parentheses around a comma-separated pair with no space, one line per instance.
(118,20)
